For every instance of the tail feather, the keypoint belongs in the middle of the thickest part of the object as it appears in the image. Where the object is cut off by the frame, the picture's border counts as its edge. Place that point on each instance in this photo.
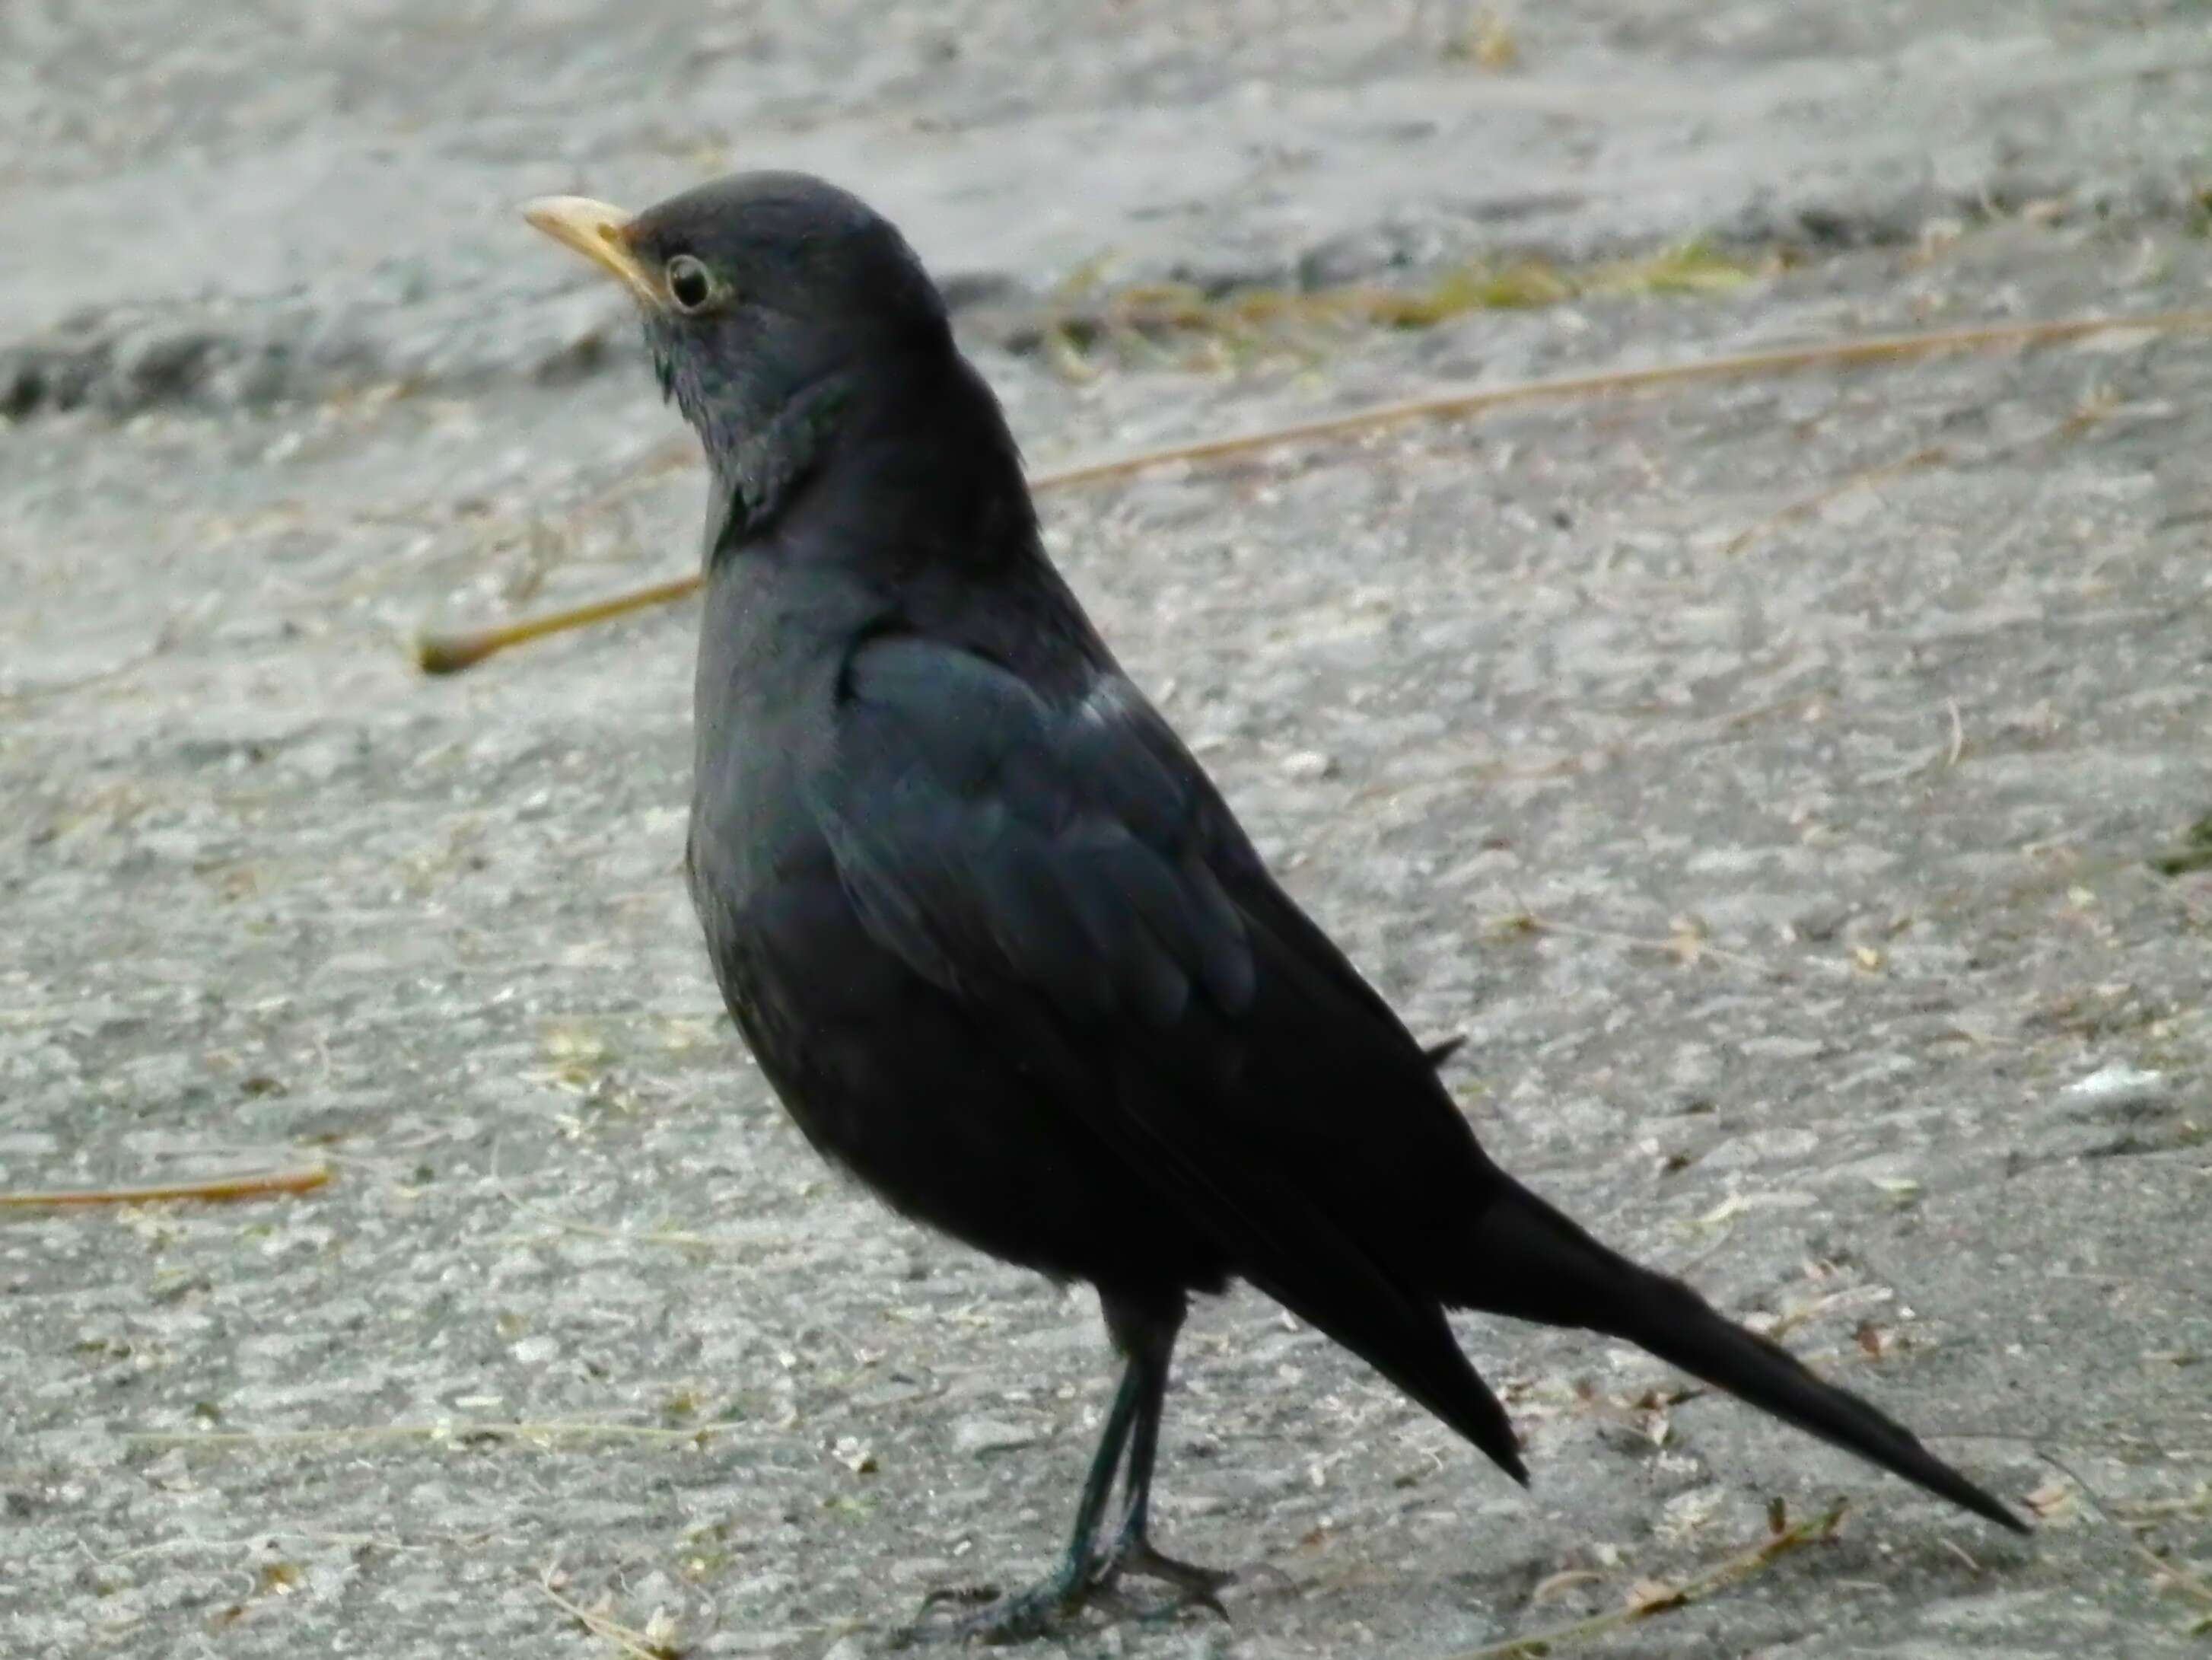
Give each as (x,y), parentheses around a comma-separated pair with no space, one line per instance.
(1418,1354)
(1534,1264)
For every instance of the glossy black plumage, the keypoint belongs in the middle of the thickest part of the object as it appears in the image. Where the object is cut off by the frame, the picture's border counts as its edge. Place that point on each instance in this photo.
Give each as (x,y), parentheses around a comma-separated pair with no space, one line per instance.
(993,935)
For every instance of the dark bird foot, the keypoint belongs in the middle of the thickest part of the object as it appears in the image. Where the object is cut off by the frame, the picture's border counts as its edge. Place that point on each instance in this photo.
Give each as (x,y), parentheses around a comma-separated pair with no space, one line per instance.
(1049,1605)
(1000,1619)
(1200,1587)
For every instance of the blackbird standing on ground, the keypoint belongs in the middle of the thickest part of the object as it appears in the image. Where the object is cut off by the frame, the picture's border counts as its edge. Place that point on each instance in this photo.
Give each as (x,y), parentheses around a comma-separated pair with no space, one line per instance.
(993,935)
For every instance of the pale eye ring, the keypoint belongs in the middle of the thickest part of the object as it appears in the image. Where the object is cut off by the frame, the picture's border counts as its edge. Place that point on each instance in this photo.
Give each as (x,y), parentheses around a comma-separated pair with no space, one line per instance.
(690,285)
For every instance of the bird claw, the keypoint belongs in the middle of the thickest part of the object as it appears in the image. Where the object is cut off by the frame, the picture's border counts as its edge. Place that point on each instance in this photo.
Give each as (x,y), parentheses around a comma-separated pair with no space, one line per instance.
(969,1596)
(1200,1587)
(1004,1619)
(1045,1607)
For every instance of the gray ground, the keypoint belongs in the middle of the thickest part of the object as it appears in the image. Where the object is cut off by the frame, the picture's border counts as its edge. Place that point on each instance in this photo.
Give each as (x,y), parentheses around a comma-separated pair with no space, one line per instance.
(1785,867)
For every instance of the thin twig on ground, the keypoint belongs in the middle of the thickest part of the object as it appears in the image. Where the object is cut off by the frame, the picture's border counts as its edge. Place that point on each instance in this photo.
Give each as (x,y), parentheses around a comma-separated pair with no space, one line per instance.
(2190,1584)
(1739,1566)
(686,1241)
(1686,946)
(255,1184)
(450,653)
(628,1638)
(1875,349)
(459,1430)
(1806,506)
(2087,416)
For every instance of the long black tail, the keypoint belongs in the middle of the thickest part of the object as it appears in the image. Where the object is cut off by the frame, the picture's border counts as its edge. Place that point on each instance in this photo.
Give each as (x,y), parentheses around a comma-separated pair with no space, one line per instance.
(1533,1263)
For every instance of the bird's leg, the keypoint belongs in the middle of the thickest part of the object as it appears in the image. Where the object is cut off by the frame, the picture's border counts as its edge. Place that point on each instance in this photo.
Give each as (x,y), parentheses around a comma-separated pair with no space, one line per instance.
(1144,1330)
(1031,1613)
(1149,1344)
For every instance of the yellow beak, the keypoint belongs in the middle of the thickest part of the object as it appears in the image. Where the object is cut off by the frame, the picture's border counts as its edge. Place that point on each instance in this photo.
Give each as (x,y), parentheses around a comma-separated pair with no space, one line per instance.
(601,234)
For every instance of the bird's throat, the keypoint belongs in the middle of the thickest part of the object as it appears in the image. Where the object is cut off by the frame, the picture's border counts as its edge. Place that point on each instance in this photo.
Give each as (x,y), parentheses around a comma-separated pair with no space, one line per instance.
(757,472)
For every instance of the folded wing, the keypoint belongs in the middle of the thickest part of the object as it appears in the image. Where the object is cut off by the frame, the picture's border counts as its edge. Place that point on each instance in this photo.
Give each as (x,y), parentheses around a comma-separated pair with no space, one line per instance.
(1068,870)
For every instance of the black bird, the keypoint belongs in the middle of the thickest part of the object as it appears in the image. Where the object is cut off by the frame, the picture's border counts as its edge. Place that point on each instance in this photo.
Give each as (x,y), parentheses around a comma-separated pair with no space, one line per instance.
(993,935)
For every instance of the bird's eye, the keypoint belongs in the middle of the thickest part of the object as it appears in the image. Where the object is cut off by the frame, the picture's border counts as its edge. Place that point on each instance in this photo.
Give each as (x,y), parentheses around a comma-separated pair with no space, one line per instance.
(690,285)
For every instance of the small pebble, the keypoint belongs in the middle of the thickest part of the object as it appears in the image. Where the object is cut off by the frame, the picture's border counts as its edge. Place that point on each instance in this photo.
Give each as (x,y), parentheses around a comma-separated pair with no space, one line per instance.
(976,1437)
(2118,1085)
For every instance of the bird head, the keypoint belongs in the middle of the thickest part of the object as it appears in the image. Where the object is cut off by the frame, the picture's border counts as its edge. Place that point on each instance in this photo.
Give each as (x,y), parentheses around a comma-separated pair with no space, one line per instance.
(765,296)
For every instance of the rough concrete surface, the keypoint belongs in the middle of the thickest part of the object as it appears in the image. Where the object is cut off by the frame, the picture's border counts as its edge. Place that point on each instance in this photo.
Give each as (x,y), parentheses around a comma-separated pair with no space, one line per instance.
(1763,774)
